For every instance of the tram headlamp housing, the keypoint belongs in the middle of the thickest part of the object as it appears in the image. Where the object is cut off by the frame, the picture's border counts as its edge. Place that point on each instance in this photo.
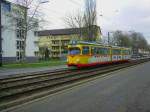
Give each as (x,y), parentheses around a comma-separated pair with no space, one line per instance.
(77,60)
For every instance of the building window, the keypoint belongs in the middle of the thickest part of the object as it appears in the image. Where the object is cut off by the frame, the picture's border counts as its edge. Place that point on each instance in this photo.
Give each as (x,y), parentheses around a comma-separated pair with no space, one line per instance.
(17,45)
(55,42)
(20,22)
(20,44)
(20,33)
(36,53)
(19,55)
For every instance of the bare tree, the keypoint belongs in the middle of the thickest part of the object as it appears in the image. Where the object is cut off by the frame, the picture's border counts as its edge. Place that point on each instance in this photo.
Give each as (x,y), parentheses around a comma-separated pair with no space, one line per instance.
(121,39)
(29,19)
(75,21)
(133,39)
(85,21)
(90,20)
(138,40)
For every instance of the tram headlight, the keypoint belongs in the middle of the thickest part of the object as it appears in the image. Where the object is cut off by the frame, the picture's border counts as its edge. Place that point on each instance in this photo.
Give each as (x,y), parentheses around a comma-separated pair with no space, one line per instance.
(77,60)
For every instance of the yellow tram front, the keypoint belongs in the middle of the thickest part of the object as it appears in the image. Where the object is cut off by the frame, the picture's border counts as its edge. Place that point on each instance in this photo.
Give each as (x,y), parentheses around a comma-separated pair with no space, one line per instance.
(78,55)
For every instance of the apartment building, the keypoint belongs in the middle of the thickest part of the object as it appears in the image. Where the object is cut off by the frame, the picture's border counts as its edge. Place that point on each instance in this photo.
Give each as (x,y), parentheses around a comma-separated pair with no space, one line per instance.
(13,36)
(57,40)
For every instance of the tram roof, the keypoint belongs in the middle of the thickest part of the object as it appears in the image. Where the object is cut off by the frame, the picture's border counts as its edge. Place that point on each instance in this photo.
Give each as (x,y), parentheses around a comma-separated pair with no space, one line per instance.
(93,43)
(86,43)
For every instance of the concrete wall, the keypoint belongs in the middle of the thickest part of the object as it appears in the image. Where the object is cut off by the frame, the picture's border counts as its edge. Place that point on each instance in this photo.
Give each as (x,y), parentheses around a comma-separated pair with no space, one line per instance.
(32,59)
(32,46)
(7,60)
(8,36)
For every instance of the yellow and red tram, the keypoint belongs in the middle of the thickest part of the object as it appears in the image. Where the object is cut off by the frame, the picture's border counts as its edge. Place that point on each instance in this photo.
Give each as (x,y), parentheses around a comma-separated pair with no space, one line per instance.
(83,54)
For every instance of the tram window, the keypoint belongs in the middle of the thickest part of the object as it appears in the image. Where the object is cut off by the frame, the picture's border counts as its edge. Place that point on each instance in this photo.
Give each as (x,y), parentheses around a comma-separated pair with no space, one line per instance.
(103,51)
(85,50)
(119,51)
(100,51)
(94,50)
(97,50)
(116,51)
(106,51)
(126,52)
(74,51)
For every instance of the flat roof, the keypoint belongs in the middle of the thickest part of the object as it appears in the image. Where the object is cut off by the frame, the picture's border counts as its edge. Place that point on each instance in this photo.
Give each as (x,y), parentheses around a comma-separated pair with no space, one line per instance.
(66,31)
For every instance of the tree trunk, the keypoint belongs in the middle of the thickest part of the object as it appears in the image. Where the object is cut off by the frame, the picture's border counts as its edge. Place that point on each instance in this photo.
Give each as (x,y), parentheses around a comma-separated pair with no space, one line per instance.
(25,38)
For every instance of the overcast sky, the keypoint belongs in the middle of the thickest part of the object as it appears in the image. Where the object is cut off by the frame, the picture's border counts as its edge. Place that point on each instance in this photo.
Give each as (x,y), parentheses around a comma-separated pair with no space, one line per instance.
(113,15)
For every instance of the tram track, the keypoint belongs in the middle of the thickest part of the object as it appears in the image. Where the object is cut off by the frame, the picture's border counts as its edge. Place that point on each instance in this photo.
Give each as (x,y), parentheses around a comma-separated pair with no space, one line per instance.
(16,90)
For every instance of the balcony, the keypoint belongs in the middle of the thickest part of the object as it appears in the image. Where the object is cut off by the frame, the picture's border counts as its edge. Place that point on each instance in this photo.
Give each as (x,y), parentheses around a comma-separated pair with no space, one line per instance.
(55,50)
(65,39)
(65,44)
(55,45)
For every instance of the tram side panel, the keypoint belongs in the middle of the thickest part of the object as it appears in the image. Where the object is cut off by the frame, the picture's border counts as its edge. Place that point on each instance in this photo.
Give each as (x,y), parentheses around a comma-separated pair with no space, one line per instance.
(84,55)
(126,54)
(100,55)
(116,55)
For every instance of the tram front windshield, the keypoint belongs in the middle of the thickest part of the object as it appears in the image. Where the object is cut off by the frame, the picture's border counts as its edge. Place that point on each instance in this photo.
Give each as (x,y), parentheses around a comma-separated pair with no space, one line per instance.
(74,51)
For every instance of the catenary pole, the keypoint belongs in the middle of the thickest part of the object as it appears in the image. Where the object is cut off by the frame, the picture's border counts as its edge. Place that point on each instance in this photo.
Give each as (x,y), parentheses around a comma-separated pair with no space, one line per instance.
(0,34)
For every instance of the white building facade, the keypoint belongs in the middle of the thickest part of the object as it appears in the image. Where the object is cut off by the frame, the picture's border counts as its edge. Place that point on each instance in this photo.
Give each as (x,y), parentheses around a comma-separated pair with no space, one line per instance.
(13,36)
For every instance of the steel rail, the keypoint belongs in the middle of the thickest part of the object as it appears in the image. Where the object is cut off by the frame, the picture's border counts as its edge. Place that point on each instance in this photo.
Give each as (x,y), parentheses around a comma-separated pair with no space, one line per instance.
(22,75)
(51,81)
(22,90)
(40,78)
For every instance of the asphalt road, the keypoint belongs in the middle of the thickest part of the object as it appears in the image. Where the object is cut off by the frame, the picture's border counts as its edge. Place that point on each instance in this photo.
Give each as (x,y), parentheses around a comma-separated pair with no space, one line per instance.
(123,91)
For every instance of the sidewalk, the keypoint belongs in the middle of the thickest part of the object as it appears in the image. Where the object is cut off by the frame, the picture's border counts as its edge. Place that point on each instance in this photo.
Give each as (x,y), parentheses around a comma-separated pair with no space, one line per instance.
(5,72)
